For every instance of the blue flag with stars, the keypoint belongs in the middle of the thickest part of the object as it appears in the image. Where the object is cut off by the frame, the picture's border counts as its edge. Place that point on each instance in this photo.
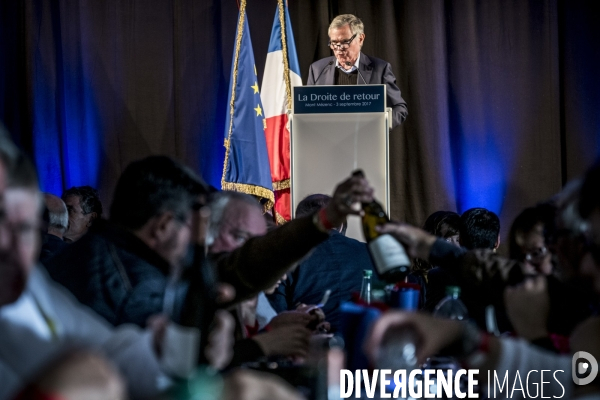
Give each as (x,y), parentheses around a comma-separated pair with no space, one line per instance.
(246,168)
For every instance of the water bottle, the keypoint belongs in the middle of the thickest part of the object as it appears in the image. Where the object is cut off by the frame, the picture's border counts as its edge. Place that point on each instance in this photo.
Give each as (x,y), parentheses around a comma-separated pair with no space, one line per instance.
(365,289)
(451,307)
(398,350)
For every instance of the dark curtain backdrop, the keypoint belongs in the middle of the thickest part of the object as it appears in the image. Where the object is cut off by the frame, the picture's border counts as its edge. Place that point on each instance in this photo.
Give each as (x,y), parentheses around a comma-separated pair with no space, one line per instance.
(503,95)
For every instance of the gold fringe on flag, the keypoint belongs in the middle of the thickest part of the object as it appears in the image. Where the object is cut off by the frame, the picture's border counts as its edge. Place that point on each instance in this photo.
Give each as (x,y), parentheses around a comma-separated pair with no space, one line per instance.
(252,190)
(279,219)
(241,187)
(281,185)
(286,65)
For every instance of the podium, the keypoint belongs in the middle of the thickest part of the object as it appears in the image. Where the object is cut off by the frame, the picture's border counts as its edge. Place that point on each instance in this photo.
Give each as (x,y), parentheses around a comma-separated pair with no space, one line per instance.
(333,131)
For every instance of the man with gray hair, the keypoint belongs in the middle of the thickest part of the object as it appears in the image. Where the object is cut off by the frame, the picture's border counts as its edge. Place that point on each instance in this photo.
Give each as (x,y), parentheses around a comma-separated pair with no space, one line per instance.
(349,66)
(236,217)
(121,268)
(84,207)
(56,217)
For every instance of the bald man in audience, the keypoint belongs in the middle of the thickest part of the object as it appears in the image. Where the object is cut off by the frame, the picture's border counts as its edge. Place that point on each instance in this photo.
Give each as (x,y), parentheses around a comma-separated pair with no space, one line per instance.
(56,217)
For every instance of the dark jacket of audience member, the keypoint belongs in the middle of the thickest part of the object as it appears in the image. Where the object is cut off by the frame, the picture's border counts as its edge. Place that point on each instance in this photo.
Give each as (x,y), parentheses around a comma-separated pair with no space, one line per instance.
(51,246)
(335,264)
(116,274)
(121,277)
(112,269)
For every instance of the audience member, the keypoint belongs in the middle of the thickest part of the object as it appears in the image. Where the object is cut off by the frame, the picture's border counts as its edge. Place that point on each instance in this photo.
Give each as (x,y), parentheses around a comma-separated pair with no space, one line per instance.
(263,260)
(84,206)
(41,324)
(315,202)
(236,217)
(337,264)
(79,375)
(579,263)
(545,309)
(37,320)
(57,220)
(527,239)
(121,268)
(479,229)
(444,224)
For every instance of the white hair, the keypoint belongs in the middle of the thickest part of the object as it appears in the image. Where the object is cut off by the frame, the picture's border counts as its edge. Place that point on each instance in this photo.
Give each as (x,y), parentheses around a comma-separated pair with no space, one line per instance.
(218,204)
(356,25)
(59,219)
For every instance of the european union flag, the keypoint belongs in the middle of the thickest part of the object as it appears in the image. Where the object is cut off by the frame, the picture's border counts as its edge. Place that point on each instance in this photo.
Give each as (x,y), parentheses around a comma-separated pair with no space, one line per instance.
(246,168)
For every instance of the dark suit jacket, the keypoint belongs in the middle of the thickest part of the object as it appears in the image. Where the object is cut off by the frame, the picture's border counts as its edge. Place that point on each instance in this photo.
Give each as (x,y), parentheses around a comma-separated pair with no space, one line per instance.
(374,70)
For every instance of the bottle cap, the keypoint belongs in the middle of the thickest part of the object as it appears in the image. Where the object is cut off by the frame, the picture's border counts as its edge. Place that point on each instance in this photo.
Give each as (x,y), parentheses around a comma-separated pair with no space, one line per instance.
(359,173)
(453,290)
(367,272)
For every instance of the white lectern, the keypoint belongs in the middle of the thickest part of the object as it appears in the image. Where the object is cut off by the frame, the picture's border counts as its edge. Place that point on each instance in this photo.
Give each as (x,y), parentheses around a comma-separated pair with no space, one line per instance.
(335,130)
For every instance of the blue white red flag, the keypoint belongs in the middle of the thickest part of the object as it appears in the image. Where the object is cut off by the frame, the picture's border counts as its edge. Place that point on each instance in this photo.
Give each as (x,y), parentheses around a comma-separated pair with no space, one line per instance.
(282,72)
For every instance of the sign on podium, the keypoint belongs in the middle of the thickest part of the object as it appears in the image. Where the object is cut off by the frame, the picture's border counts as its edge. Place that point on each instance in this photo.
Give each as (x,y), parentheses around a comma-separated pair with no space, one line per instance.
(335,130)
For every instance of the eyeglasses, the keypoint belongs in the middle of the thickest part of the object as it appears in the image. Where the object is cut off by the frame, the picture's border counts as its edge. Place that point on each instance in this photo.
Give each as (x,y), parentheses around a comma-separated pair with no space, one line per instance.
(341,45)
(536,255)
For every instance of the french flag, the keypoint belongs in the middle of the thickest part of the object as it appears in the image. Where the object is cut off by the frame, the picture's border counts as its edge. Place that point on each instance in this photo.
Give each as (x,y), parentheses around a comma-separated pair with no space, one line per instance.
(282,72)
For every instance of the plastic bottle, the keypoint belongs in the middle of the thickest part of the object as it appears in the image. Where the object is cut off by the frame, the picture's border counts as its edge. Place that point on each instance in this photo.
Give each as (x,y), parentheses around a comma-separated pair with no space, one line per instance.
(451,307)
(398,349)
(365,290)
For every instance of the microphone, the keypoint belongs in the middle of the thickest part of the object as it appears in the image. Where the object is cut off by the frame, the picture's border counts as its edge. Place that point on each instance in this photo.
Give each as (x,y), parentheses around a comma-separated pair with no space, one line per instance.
(348,63)
(323,70)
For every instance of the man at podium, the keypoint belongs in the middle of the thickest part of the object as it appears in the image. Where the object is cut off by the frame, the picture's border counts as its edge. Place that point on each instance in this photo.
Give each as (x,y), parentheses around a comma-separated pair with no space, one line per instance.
(349,66)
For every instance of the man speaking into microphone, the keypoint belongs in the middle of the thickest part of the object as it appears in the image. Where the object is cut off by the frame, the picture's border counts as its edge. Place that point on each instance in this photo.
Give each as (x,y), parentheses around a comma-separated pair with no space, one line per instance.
(349,66)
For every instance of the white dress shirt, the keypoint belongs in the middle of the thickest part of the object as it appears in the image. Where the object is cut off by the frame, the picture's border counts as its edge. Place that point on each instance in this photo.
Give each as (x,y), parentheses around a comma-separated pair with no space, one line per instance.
(264,311)
(46,321)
